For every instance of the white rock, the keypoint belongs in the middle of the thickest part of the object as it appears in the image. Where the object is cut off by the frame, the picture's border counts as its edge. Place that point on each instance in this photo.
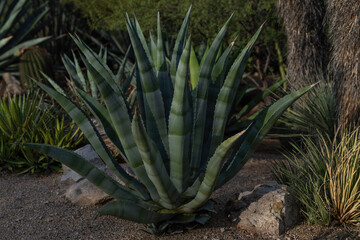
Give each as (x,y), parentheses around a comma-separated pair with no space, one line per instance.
(85,193)
(268,209)
(80,190)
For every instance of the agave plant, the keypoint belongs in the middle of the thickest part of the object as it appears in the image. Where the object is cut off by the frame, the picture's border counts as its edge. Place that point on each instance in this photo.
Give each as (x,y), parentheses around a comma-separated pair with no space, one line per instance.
(87,84)
(174,141)
(15,25)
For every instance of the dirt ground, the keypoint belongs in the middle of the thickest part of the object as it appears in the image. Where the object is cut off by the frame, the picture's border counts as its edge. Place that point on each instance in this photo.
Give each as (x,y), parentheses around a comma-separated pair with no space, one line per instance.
(33,207)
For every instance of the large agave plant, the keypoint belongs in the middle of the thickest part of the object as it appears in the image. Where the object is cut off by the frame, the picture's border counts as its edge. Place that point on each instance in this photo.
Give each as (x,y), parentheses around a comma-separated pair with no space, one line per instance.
(174,141)
(15,25)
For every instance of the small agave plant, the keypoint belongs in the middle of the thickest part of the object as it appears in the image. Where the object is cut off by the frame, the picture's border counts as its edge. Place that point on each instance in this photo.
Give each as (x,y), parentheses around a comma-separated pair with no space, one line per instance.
(174,140)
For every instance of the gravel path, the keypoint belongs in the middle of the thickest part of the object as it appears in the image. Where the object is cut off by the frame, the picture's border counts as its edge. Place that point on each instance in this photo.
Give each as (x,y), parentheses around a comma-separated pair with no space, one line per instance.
(33,207)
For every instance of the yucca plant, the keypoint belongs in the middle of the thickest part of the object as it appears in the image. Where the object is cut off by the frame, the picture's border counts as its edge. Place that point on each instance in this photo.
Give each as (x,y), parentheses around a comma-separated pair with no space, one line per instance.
(15,25)
(27,118)
(164,140)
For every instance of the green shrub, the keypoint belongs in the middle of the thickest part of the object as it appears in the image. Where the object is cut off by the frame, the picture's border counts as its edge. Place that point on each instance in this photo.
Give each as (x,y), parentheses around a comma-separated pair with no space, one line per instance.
(312,115)
(324,174)
(27,119)
(163,141)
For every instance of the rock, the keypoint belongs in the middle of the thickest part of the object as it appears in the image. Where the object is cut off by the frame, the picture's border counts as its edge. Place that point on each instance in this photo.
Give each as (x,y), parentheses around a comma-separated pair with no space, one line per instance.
(85,193)
(9,86)
(269,209)
(81,191)
(87,152)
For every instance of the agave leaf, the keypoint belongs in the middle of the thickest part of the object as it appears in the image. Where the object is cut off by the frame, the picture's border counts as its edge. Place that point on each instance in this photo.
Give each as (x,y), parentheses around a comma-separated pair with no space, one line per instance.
(194,68)
(217,77)
(14,50)
(211,175)
(4,41)
(97,64)
(150,87)
(94,138)
(118,112)
(201,97)
(12,14)
(54,84)
(133,212)
(87,170)
(28,25)
(103,117)
(74,71)
(179,46)
(163,76)
(255,133)
(154,165)
(121,72)
(180,122)
(260,97)
(228,92)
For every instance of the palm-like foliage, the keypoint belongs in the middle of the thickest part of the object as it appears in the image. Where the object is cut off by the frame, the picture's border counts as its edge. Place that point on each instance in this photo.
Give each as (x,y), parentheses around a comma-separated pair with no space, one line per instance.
(15,25)
(174,142)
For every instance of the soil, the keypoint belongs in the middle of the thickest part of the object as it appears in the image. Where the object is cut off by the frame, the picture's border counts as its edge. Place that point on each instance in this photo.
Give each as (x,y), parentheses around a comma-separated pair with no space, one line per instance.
(34,207)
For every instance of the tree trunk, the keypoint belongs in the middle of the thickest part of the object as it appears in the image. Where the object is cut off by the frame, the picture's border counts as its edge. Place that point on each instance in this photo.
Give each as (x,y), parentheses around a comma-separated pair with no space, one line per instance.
(344,68)
(306,41)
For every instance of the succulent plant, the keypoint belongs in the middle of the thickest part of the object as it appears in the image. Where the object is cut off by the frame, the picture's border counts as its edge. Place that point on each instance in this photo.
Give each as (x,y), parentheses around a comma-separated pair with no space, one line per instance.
(15,24)
(174,141)
(33,61)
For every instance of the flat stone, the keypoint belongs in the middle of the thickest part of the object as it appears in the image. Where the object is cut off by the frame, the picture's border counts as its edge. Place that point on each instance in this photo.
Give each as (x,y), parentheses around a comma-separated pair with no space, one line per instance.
(80,190)
(269,209)
(87,152)
(85,193)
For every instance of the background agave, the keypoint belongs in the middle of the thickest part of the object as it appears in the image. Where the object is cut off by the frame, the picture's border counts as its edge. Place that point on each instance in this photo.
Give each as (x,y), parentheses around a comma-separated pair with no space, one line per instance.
(15,24)
(174,141)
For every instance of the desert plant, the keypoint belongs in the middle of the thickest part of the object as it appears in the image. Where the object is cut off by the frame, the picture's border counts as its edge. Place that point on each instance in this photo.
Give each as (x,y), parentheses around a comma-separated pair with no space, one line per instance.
(304,170)
(312,115)
(163,141)
(344,176)
(26,118)
(15,25)
(324,174)
(33,61)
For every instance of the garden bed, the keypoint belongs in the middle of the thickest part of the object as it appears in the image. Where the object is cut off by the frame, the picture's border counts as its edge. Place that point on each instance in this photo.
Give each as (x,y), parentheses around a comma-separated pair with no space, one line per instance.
(33,207)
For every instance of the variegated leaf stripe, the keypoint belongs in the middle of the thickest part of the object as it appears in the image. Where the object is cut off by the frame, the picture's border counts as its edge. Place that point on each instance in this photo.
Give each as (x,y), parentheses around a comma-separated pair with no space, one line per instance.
(139,32)
(79,73)
(97,62)
(102,116)
(93,88)
(201,97)
(90,132)
(217,75)
(71,69)
(255,133)
(194,68)
(121,72)
(154,165)
(179,46)
(260,97)
(133,212)
(228,92)
(150,86)
(117,110)
(54,84)
(217,78)
(180,122)
(163,76)
(211,175)
(87,170)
